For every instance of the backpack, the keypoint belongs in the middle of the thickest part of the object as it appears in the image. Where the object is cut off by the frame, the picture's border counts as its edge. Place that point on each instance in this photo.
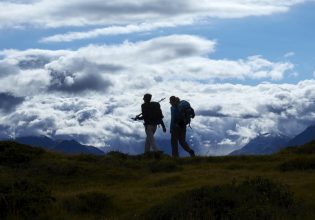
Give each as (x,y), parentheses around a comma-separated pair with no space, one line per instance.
(156,114)
(186,113)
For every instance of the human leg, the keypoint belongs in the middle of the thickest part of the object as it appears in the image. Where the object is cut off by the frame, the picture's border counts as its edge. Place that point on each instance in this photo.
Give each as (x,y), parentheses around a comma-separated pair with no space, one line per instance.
(147,141)
(183,142)
(174,143)
(150,131)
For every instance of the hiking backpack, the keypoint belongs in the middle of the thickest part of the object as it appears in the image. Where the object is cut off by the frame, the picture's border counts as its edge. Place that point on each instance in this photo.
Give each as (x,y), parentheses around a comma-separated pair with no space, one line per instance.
(186,113)
(156,114)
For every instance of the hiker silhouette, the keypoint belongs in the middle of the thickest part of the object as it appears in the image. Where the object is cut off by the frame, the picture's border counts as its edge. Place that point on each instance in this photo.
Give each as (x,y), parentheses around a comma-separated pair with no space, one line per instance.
(179,120)
(152,115)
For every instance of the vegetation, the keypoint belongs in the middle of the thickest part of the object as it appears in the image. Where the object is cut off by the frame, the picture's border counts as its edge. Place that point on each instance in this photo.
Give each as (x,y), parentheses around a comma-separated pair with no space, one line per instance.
(252,199)
(36,184)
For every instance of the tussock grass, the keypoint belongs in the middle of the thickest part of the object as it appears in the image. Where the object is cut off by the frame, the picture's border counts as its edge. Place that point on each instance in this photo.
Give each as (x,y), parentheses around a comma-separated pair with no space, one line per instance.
(257,198)
(95,202)
(301,164)
(24,199)
(167,181)
(305,149)
(129,187)
(16,155)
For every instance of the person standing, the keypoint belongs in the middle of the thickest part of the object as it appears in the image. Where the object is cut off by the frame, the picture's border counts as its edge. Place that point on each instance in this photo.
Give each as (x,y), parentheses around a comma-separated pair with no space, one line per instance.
(178,126)
(152,115)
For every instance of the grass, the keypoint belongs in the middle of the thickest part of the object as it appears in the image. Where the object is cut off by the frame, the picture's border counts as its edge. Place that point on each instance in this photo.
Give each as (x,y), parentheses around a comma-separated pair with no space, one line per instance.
(120,186)
(258,198)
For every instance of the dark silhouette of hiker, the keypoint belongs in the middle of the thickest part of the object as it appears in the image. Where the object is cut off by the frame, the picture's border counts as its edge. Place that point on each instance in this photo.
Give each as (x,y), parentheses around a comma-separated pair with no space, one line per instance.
(152,116)
(178,128)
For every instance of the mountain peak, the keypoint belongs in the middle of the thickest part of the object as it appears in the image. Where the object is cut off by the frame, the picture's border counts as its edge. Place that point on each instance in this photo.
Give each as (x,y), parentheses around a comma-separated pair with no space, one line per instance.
(64,146)
(266,143)
(304,137)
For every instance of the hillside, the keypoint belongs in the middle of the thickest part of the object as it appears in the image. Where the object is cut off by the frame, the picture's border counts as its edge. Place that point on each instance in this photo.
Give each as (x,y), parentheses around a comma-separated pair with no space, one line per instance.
(71,147)
(304,137)
(263,144)
(272,143)
(37,184)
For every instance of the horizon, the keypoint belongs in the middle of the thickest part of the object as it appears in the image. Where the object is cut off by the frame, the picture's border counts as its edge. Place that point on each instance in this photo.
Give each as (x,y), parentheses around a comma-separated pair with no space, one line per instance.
(78,70)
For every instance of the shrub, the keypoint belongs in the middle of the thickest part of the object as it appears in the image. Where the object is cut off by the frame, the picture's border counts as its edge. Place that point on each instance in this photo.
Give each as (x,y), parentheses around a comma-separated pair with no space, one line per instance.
(90,158)
(162,166)
(167,181)
(62,168)
(88,203)
(117,155)
(24,199)
(298,164)
(157,155)
(253,199)
(308,148)
(13,154)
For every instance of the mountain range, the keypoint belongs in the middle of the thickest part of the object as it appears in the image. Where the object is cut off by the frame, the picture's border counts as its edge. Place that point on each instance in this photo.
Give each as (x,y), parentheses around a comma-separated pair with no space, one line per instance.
(63,146)
(306,136)
(260,145)
(272,143)
(263,144)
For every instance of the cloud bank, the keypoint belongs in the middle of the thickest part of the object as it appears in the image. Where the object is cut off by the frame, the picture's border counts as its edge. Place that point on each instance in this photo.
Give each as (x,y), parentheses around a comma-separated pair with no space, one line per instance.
(94,12)
(91,93)
(123,17)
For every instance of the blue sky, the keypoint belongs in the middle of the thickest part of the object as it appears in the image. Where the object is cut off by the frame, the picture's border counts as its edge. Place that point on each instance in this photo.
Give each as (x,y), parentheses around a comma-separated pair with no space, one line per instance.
(246,66)
(271,36)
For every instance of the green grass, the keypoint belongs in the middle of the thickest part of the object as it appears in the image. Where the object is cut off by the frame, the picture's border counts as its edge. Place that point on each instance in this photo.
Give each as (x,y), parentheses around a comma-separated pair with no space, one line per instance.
(119,186)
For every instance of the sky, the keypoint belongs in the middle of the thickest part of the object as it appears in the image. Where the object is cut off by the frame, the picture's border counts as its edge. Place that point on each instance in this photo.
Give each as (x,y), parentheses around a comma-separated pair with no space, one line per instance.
(78,69)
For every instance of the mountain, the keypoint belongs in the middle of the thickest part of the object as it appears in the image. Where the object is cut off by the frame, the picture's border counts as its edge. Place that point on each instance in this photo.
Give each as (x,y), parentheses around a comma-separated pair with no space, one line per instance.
(305,137)
(263,144)
(74,147)
(63,146)
(37,141)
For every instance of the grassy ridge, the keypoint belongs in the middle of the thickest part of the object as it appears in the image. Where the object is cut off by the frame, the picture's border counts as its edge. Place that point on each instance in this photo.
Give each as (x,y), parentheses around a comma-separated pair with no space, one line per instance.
(39,184)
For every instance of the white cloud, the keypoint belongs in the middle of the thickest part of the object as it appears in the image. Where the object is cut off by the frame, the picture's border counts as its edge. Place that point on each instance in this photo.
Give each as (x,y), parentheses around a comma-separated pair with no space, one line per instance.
(139,65)
(112,30)
(289,54)
(59,13)
(227,142)
(105,120)
(61,101)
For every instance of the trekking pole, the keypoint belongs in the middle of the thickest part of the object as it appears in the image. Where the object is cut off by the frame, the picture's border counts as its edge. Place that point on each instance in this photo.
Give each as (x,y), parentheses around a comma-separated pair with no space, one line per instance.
(162,99)
(139,115)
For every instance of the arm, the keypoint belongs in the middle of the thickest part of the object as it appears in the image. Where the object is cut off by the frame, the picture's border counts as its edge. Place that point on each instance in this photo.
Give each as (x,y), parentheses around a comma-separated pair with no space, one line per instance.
(163,126)
(141,116)
(172,119)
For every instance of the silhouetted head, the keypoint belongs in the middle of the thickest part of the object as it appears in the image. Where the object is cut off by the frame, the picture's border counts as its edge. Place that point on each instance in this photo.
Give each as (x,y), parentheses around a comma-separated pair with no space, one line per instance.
(147,98)
(174,100)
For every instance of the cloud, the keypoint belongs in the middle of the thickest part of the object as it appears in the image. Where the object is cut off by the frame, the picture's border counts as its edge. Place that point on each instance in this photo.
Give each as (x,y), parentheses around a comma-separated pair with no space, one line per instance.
(108,31)
(289,54)
(9,101)
(105,120)
(7,68)
(131,14)
(91,93)
(33,62)
(77,82)
(130,65)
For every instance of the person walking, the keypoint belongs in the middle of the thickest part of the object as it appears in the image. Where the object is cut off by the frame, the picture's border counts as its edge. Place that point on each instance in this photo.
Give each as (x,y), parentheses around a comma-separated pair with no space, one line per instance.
(179,121)
(152,115)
